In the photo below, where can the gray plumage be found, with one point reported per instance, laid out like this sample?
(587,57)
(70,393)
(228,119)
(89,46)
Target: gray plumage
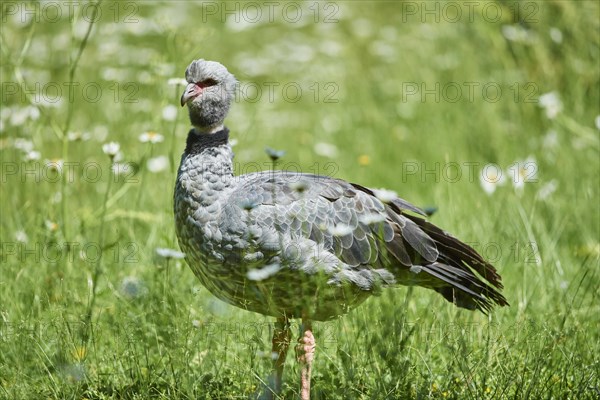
(218,88)
(296,245)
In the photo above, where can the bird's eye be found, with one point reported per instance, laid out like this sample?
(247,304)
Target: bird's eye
(207,83)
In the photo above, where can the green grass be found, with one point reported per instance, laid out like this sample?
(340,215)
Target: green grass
(155,333)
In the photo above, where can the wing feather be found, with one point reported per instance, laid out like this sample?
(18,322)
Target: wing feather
(373,253)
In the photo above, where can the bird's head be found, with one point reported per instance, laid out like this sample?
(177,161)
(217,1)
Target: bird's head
(208,95)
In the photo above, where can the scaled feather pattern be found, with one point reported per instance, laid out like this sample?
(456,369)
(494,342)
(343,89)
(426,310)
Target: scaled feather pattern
(295,245)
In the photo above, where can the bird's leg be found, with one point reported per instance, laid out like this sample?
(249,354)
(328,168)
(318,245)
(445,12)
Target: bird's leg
(281,343)
(305,352)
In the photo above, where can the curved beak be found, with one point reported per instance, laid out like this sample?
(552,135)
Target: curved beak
(191,91)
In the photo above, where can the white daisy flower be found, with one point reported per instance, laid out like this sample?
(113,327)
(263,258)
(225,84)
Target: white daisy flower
(547,190)
(551,103)
(119,168)
(556,35)
(55,164)
(415,269)
(111,149)
(326,149)
(118,157)
(385,195)
(151,137)
(523,171)
(273,154)
(21,236)
(24,145)
(177,82)
(340,230)
(51,225)
(169,253)
(371,218)
(83,136)
(263,273)
(300,186)
(248,204)
(33,155)
(20,115)
(516,33)
(169,113)
(491,177)
(157,164)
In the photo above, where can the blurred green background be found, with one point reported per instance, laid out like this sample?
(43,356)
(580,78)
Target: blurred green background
(416,97)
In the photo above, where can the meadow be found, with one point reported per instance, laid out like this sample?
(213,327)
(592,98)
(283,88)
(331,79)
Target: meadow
(487,111)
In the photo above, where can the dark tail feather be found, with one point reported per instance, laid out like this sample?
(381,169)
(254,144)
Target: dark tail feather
(473,283)
(462,276)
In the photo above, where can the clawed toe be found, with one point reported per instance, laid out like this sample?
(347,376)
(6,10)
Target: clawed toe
(305,349)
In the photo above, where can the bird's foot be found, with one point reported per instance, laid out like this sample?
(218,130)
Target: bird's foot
(305,350)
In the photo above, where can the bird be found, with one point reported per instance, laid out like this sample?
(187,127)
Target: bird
(294,245)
